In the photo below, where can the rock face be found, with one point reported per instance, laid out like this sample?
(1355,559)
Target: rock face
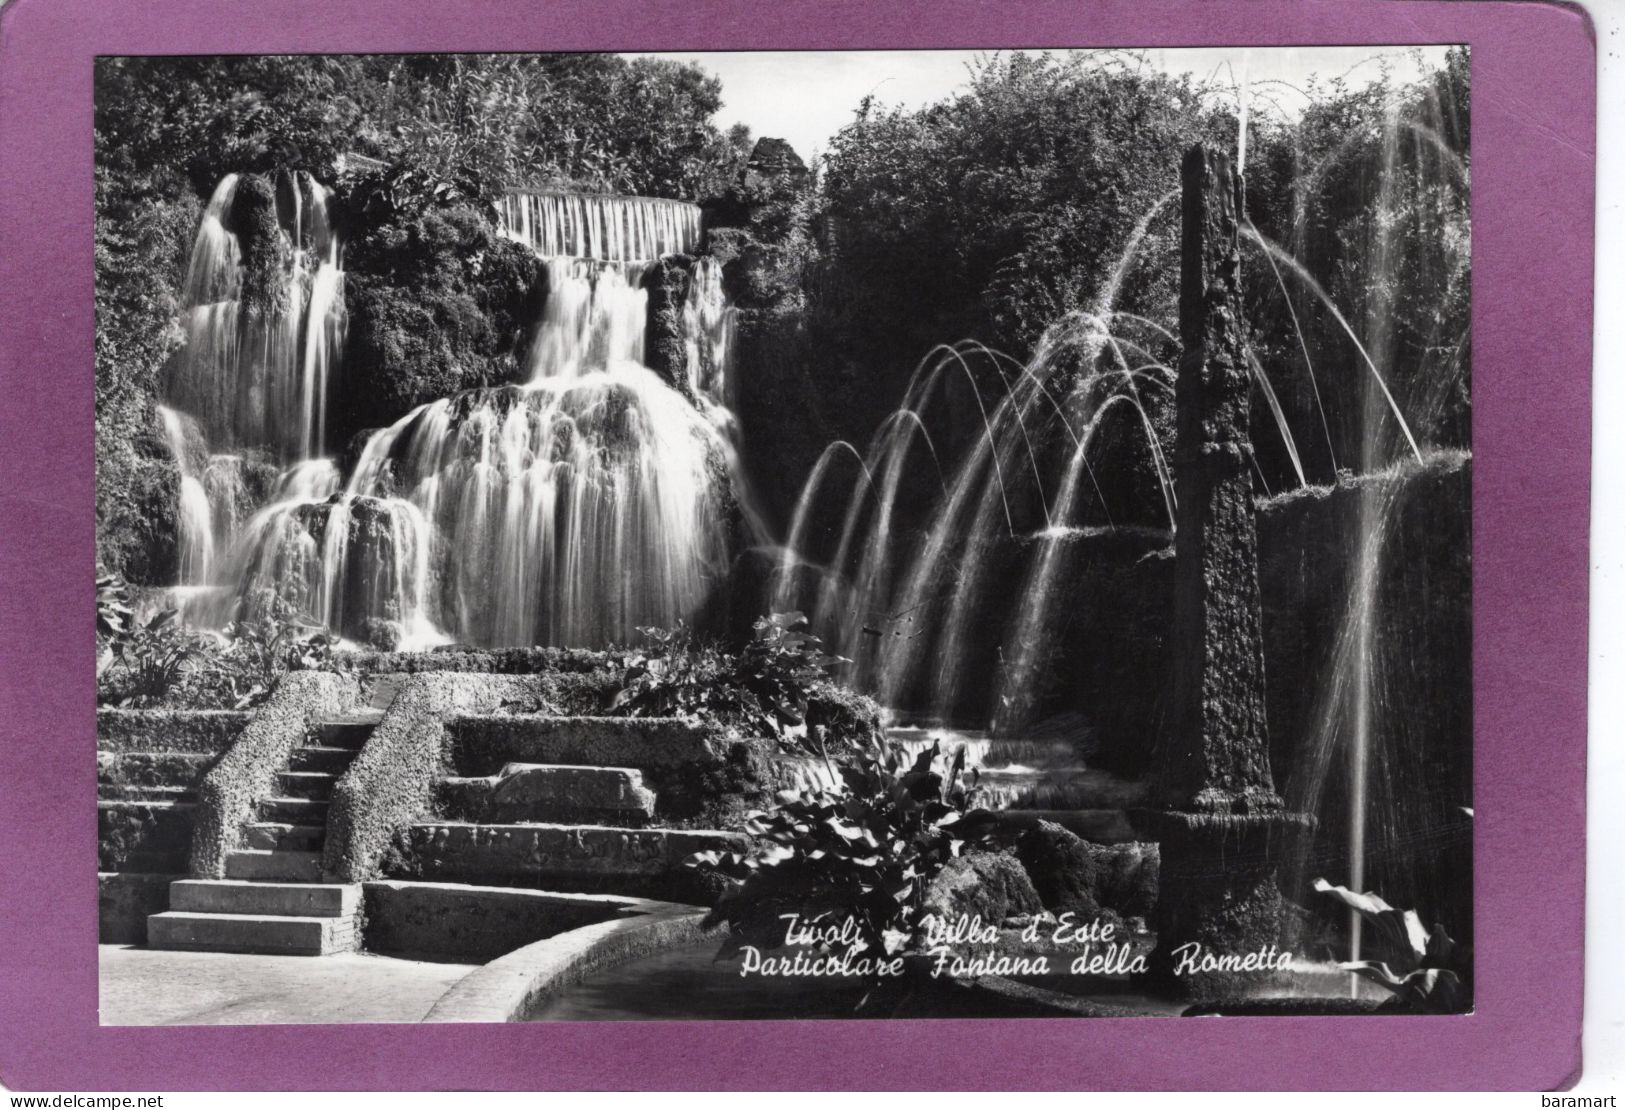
(137,530)
(1127,877)
(1062,869)
(665,339)
(377,580)
(1074,875)
(1223,827)
(776,158)
(265,251)
(773,171)
(990,885)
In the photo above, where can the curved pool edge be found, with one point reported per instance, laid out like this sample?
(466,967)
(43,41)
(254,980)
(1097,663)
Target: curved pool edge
(511,987)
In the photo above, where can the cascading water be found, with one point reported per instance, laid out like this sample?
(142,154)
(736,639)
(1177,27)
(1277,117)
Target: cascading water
(906,617)
(709,322)
(1359,741)
(608,228)
(583,506)
(194,517)
(263,317)
(570,509)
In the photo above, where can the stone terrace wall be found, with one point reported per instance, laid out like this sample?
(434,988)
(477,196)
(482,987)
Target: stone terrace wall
(700,775)
(392,781)
(148,764)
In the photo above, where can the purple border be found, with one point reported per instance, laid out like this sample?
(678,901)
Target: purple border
(1534,117)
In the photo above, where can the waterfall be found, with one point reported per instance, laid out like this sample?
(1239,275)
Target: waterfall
(590,500)
(263,317)
(194,518)
(570,509)
(708,321)
(606,227)
(594,317)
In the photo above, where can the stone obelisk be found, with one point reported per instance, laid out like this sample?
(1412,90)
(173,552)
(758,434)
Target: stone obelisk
(1221,825)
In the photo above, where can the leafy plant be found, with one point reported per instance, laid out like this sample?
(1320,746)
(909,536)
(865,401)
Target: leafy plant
(865,851)
(113,610)
(1425,970)
(400,192)
(113,615)
(152,659)
(261,650)
(764,687)
(162,662)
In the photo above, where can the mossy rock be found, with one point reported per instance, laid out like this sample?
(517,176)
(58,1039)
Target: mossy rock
(266,252)
(437,305)
(849,719)
(989,885)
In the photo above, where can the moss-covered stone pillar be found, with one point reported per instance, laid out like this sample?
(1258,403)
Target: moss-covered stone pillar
(1222,826)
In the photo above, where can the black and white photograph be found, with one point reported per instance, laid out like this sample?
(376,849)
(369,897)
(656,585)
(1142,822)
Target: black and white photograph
(784,535)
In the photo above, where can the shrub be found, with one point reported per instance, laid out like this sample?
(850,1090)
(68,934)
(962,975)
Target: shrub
(765,687)
(113,611)
(438,302)
(161,662)
(864,852)
(150,661)
(261,650)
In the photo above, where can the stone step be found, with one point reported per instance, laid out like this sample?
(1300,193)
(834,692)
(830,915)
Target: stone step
(315,785)
(553,793)
(152,768)
(253,863)
(230,896)
(203,731)
(382,689)
(283,837)
(259,933)
(523,854)
(144,835)
(350,731)
(136,792)
(293,811)
(315,757)
(484,745)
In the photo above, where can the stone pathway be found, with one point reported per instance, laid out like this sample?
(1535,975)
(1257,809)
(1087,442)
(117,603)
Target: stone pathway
(150,987)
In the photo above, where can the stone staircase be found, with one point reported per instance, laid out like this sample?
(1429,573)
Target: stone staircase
(272,899)
(564,804)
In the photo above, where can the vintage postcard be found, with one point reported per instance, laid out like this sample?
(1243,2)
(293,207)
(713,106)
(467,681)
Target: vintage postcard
(1002,529)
